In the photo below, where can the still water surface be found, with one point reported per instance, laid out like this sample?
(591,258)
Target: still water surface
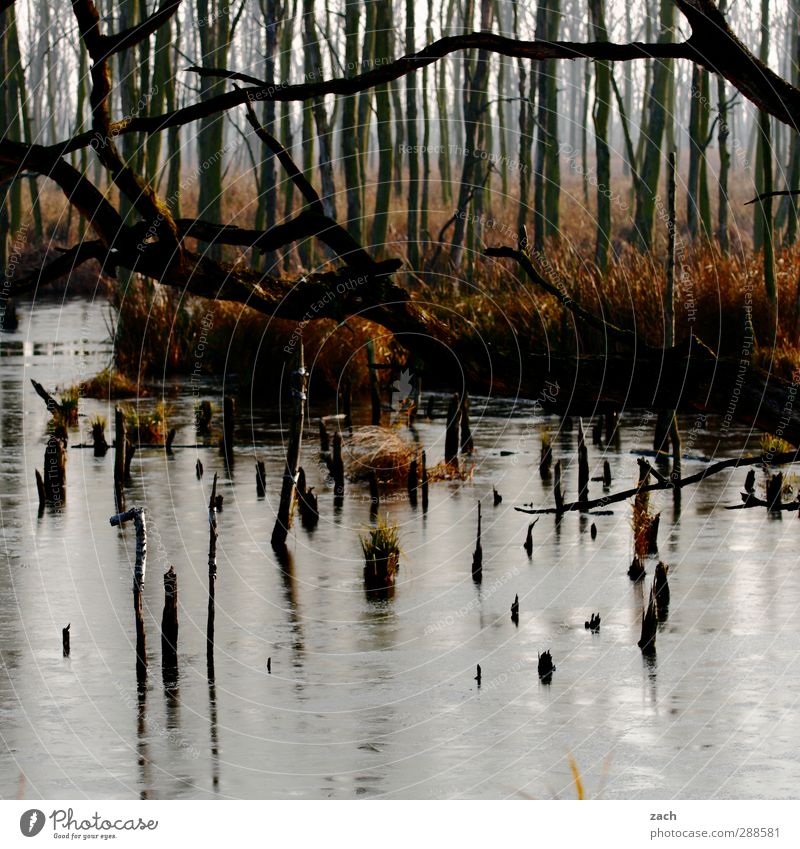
(377,699)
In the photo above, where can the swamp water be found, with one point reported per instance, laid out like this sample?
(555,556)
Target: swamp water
(377,699)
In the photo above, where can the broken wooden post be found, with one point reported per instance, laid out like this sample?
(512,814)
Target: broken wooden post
(546,667)
(750,482)
(337,466)
(636,570)
(661,589)
(606,473)
(647,641)
(203,417)
(558,493)
(65,640)
(374,383)
(496,497)
(261,479)
(412,483)
(198,468)
(136,514)
(467,445)
(593,531)
(774,491)
(324,441)
(228,422)
(40,490)
(55,462)
(583,468)
(120,439)
(451,432)
(528,544)
(593,624)
(298,388)
(169,623)
(170,440)
(675,439)
(306,501)
(424,487)
(477,557)
(99,437)
(212,573)
(515,610)
(478,676)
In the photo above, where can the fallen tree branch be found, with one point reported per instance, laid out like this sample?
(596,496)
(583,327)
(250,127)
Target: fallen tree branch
(713,469)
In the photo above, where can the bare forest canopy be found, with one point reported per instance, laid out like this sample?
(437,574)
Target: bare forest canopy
(322,113)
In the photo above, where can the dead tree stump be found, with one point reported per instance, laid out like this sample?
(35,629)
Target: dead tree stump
(284,518)
(775,491)
(412,483)
(451,432)
(99,439)
(169,622)
(55,471)
(65,640)
(261,479)
(661,588)
(324,441)
(647,642)
(170,440)
(120,441)
(583,468)
(467,444)
(477,557)
(515,610)
(558,492)
(546,667)
(337,467)
(136,514)
(306,501)
(203,418)
(545,461)
(528,544)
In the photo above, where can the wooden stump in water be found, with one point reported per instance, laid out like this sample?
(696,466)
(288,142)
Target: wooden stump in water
(774,491)
(198,468)
(451,432)
(647,642)
(593,624)
(55,471)
(583,468)
(261,479)
(336,466)
(120,441)
(606,473)
(558,493)
(636,570)
(99,439)
(546,667)
(477,557)
(284,517)
(515,610)
(597,432)
(306,501)
(40,490)
(661,589)
(651,534)
(203,418)
(528,544)
(424,487)
(412,483)
(374,383)
(429,407)
(169,441)
(593,531)
(136,515)
(228,423)
(169,622)
(65,641)
(467,444)
(324,441)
